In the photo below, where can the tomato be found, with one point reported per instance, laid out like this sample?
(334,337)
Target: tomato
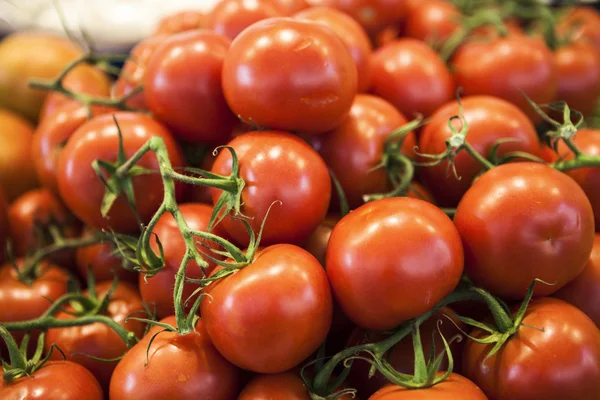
(526,367)
(351,33)
(378,279)
(454,387)
(418,191)
(290,7)
(501,66)
(230,17)
(271,315)
(316,244)
(582,24)
(354,149)
(578,66)
(132,73)
(17,174)
(523,221)
(103,263)
(179,367)
(64,380)
(583,292)
(29,55)
(588,141)
(157,291)
(196,113)
(4,227)
(411,76)
(278,386)
(489,119)
(303,71)
(181,21)
(432,20)
(98,139)
(98,340)
(277,166)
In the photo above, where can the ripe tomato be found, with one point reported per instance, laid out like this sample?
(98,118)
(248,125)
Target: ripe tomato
(316,244)
(523,221)
(187,20)
(489,119)
(432,20)
(501,66)
(526,366)
(196,113)
(578,67)
(303,71)
(179,367)
(418,191)
(269,316)
(98,340)
(379,280)
(157,291)
(132,73)
(290,7)
(582,24)
(351,33)
(17,174)
(103,263)
(230,17)
(356,147)
(98,139)
(411,76)
(277,166)
(588,141)
(454,387)
(583,291)
(286,386)
(63,380)
(4,227)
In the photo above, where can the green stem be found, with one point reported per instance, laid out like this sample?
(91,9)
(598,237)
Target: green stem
(572,147)
(17,359)
(582,161)
(478,157)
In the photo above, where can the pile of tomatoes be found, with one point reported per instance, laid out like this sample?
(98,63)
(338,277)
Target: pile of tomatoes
(380,200)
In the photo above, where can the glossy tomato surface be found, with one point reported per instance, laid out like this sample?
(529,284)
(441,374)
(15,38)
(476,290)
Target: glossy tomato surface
(230,17)
(432,21)
(582,24)
(285,385)
(378,279)
(181,21)
(523,221)
(103,262)
(303,71)
(454,387)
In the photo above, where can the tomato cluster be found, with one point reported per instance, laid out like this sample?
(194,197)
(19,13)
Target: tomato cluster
(284,199)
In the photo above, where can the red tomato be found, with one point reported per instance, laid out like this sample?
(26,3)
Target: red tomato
(4,227)
(17,174)
(157,291)
(523,221)
(588,141)
(454,387)
(98,340)
(98,139)
(584,291)
(64,380)
(582,24)
(275,386)
(132,74)
(179,367)
(379,280)
(411,76)
(489,119)
(501,66)
(526,366)
(418,191)
(269,316)
(230,17)
(356,147)
(578,66)
(432,20)
(277,166)
(303,71)
(103,263)
(290,7)
(351,33)
(187,20)
(197,113)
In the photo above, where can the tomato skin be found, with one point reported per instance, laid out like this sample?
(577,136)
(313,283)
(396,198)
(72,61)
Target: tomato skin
(302,67)
(432,20)
(351,33)
(489,119)
(588,141)
(277,166)
(196,113)
(64,380)
(230,17)
(501,66)
(418,191)
(186,20)
(17,174)
(285,385)
(583,24)
(98,139)
(526,367)
(179,367)
(374,276)
(269,316)
(157,291)
(454,387)
(410,75)
(103,263)
(4,226)
(290,7)
(524,214)
(355,148)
